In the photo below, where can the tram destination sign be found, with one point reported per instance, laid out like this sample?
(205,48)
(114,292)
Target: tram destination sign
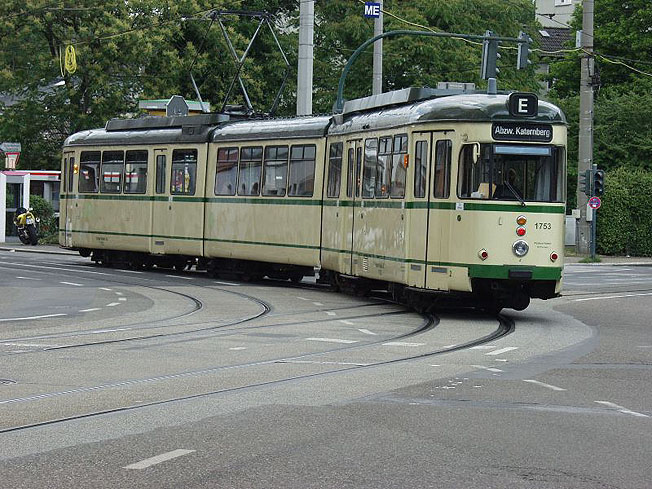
(521,131)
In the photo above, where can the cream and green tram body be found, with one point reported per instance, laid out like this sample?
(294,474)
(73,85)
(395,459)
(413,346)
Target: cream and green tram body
(426,193)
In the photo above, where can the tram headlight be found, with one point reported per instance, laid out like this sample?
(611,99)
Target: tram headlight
(520,248)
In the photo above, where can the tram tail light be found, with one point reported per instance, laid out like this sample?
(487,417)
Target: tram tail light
(554,256)
(483,254)
(521,220)
(520,231)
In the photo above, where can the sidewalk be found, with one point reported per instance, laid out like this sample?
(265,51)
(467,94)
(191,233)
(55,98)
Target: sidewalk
(49,249)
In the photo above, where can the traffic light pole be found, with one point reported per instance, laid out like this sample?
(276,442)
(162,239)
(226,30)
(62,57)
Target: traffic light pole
(594,220)
(585,153)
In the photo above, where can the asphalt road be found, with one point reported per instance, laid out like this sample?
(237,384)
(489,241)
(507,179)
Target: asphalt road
(112,378)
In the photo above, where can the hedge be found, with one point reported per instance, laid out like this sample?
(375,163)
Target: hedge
(625,218)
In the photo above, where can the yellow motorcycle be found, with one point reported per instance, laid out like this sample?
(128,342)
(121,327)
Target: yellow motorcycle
(26,224)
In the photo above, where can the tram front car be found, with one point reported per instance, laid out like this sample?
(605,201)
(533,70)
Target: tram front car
(511,188)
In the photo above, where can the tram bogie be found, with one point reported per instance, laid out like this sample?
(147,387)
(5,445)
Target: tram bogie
(442,194)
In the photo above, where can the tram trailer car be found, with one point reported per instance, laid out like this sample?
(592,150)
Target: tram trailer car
(419,191)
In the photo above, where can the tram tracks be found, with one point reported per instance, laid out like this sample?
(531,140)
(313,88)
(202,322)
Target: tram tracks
(505,327)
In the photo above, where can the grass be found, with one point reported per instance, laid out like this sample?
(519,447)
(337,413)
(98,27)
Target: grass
(588,259)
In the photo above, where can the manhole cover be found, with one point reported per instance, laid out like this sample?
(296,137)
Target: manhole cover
(7,381)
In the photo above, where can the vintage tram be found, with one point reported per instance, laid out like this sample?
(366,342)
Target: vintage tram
(418,191)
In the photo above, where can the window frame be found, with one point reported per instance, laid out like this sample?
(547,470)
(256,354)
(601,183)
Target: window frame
(161,172)
(94,162)
(112,162)
(447,145)
(370,168)
(193,174)
(228,151)
(138,162)
(398,161)
(421,179)
(334,182)
(267,159)
(294,162)
(249,161)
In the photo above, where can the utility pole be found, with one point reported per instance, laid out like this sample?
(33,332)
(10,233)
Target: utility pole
(305,66)
(377,84)
(585,153)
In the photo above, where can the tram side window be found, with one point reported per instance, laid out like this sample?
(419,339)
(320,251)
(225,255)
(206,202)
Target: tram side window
(420,169)
(251,160)
(184,172)
(350,173)
(399,169)
(474,175)
(301,180)
(443,157)
(161,163)
(71,172)
(384,168)
(89,172)
(226,174)
(275,171)
(369,169)
(113,164)
(136,172)
(334,170)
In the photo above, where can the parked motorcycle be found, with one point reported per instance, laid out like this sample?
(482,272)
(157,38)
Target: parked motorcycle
(26,223)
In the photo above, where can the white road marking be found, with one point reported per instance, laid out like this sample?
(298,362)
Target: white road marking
(29,278)
(113,304)
(483,347)
(490,369)
(331,340)
(119,293)
(122,298)
(622,296)
(435,365)
(366,331)
(402,343)
(450,346)
(99,331)
(622,409)
(33,317)
(348,323)
(331,313)
(180,276)
(318,303)
(72,283)
(302,299)
(164,457)
(29,345)
(104,288)
(91,309)
(238,348)
(127,271)
(542,384)
(502,350)
(41,267)
(224,283)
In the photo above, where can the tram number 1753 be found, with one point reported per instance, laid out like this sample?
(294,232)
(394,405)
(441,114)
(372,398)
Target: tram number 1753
(542,225)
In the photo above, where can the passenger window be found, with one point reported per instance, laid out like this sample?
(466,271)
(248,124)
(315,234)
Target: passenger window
(369,170)
(64,176)
(275,171)
(358,170)
(161,163)
(89,172)
(226,174)
(71,173)
(249,177)
(335,170)
(443,156)
(420,169)
(384,168)
(112,168)
(301,180)
(136,172)
(399,166)
(184,172)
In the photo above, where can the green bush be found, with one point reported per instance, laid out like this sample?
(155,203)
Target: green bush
(49,227)
(624,220)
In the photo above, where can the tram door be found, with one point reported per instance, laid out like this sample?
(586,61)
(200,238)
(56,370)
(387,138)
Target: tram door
(162,203)
(66,212)
(353,178)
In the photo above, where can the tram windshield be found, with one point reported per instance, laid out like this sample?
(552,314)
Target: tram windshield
(512,172)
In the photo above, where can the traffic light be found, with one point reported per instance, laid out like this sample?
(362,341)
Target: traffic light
(586,180)
(524,51)
(490,56)
(598,183)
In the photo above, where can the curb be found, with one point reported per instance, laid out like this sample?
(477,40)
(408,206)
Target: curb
(612,264)
(37,250)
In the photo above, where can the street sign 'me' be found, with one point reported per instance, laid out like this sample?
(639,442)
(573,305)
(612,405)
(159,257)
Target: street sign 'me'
(372,10)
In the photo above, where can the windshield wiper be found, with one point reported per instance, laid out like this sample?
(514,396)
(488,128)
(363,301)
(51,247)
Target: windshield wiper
(513,190)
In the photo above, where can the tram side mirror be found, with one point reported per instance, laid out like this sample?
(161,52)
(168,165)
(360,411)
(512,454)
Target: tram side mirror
(476,152)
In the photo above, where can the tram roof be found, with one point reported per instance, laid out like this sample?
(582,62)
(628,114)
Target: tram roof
(290,128)
(475,107)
